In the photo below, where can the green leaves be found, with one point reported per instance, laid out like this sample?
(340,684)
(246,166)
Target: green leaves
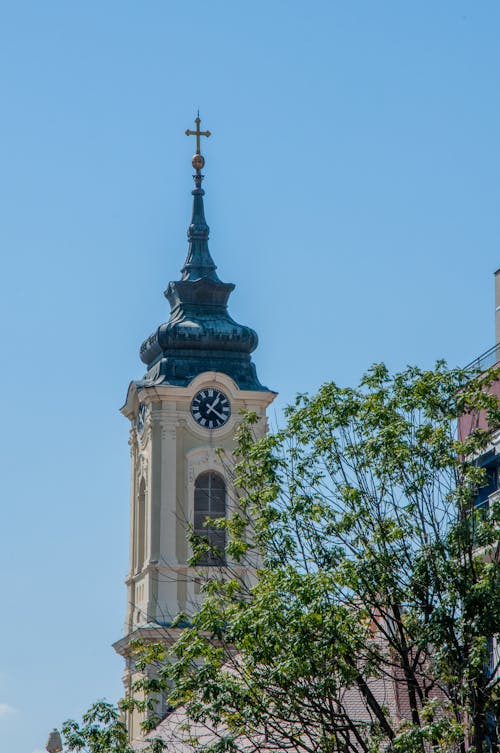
(101,731)
(368,625)
(361,508)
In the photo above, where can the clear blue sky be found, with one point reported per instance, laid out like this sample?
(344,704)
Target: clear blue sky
(353,194)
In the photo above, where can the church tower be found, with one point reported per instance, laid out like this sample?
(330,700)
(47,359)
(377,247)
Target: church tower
(183,415)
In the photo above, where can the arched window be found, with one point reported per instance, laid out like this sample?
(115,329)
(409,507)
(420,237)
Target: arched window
(141,526)
(210,502)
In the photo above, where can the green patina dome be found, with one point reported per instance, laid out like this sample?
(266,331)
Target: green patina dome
(200,334)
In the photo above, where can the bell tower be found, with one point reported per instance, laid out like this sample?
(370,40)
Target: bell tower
(183,415)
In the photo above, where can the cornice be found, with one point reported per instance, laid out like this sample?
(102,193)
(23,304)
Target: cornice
(176,393)
(150,633)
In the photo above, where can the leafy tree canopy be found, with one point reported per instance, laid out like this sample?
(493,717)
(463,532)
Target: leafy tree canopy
(369,626)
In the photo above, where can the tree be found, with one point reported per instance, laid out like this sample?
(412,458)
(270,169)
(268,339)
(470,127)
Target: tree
(102,730)
(378,575)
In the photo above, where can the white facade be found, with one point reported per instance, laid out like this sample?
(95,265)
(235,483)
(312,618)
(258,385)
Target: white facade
(168,452)
(167,455)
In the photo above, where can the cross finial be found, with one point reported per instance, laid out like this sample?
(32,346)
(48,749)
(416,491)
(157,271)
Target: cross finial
(197,133)
(198,161)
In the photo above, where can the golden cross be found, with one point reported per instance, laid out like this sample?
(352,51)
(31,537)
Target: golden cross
(197,133)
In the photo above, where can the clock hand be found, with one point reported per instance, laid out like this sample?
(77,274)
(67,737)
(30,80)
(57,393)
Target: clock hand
(211,409)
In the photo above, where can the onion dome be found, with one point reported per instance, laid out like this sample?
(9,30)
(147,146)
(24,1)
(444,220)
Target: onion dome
(200,334)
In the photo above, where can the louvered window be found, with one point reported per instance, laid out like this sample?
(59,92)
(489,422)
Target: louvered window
(210,503)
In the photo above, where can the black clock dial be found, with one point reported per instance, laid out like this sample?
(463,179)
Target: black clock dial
(210,408)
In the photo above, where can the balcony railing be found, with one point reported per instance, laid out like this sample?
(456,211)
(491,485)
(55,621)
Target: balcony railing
(486,360)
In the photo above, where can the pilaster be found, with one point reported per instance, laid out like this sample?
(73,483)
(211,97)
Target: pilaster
(168,519)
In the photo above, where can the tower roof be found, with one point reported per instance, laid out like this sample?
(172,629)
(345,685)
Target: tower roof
(200,334)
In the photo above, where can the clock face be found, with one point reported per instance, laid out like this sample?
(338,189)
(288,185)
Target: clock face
(210,408)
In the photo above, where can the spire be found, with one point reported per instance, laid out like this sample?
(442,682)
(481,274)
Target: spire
(200,334)
(199,262)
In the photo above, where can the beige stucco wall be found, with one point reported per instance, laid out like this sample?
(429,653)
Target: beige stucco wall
(166,457)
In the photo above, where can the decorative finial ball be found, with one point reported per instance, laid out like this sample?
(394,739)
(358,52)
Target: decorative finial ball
(54,743)
(198,162)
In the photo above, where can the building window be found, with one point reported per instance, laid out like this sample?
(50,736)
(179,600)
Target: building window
(489,462)
(210,503)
